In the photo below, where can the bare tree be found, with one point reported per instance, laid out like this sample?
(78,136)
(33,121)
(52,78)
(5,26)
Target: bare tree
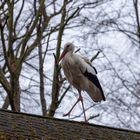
(116,34)
(15,43)
(26,25)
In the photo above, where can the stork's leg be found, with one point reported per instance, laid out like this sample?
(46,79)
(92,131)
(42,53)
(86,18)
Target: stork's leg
(81,99)
(68,114)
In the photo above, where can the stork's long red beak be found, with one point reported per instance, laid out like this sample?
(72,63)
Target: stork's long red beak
(62,55)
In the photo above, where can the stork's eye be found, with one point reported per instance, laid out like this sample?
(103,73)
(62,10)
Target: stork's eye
(68,46)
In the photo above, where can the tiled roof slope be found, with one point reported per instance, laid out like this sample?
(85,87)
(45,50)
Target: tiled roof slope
(23,126)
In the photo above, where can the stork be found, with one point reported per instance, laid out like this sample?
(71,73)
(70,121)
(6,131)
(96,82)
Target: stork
(82,75)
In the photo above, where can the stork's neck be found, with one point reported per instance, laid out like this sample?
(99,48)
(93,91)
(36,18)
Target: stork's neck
(69,54)
(68,59)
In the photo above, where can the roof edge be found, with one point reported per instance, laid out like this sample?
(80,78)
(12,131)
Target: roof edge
(70,121)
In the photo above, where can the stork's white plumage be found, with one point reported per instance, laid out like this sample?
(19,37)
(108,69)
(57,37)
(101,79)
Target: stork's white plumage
(81,74)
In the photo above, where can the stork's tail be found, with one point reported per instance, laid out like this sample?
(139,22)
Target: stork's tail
(95,93)
(94,90)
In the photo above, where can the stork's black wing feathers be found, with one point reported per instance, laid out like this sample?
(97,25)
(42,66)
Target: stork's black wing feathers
(94,69)
(93,78)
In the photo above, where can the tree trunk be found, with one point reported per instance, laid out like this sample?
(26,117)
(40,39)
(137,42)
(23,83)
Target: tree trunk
(14,81)
(55,86)
(41,76)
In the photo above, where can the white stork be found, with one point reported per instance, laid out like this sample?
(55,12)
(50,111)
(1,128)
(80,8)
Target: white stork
(81,74)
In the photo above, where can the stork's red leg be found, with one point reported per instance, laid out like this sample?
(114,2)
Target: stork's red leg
(68,114)
(81,99)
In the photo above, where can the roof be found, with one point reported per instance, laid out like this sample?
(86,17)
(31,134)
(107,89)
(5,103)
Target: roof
(33,127)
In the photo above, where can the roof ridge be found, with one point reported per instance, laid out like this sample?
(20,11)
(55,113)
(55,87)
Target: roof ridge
(70,121)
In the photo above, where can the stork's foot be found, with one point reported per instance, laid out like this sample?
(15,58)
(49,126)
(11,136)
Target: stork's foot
(86,121)
(67,114)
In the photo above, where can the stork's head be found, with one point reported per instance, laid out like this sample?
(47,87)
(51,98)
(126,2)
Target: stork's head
(68,47)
